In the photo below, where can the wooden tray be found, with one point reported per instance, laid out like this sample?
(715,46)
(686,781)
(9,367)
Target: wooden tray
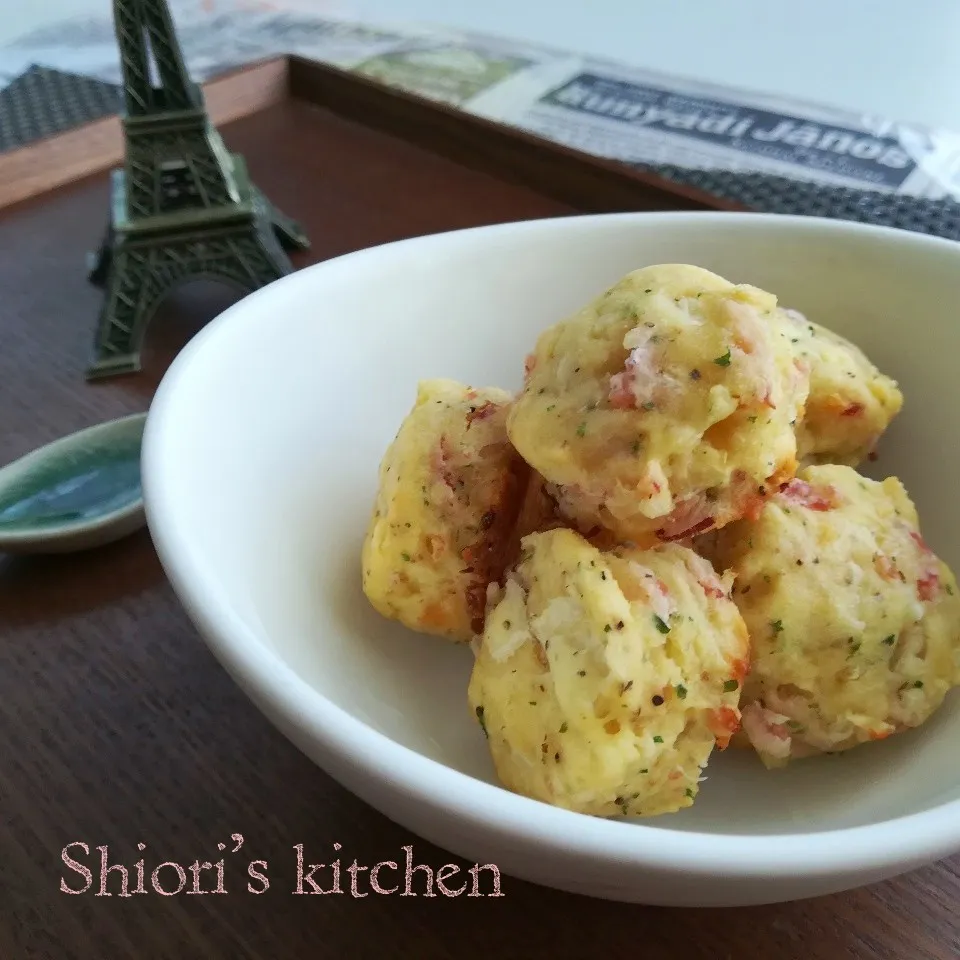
(120,728)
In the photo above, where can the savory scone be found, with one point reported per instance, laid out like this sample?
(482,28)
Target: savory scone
(604,680)
(665,407)
(450,490)
(854,623)
(851,403)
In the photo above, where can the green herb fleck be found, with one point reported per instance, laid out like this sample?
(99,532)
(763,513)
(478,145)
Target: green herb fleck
(406,556)
(563,727)
(660,625)
(607,628)
(723,361)
(681,691)
(689,793)
(581,673)
(658,739)
(777,626)
(730,685)
(483,723)
(636,447)
(918,684)
(649,405)
(890,641)
(582,429)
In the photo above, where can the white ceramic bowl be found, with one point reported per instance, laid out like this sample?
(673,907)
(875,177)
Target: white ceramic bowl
(260,463)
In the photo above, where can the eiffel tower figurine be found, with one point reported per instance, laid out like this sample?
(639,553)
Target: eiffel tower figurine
(182,206)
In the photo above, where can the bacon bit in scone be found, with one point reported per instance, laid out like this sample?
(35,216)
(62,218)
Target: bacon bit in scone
(669,534)
(885,567)
(928,585)
(435,546)
(723,723)
(738,670)
(747,497)
(440,463)
(529,363)
(765,395)
(620,396)
(853,410)
(652,482)
(642,382)
(805,495)
(646,586)
(920,542)
(766,730)
(690,516)
(487,409)
(476,597)
(712,589)
(541,655)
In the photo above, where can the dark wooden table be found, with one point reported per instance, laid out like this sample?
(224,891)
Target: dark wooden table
(120,729)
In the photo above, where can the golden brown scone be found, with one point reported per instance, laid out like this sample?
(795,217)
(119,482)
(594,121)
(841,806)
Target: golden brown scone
(665,407)
(604,680)
(851,403)
(450,490)
(854,622)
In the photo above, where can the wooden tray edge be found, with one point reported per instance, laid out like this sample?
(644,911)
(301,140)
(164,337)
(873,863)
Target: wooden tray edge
(590,183)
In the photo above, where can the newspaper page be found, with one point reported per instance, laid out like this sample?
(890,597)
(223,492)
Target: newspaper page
(602,107)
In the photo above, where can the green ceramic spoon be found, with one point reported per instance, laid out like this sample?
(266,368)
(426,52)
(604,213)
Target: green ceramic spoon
(79,492)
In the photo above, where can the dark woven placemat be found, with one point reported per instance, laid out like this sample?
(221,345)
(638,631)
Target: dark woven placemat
(770,194)
(42,102)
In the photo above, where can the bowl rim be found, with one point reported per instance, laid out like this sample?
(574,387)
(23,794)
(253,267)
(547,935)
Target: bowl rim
(885,845)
